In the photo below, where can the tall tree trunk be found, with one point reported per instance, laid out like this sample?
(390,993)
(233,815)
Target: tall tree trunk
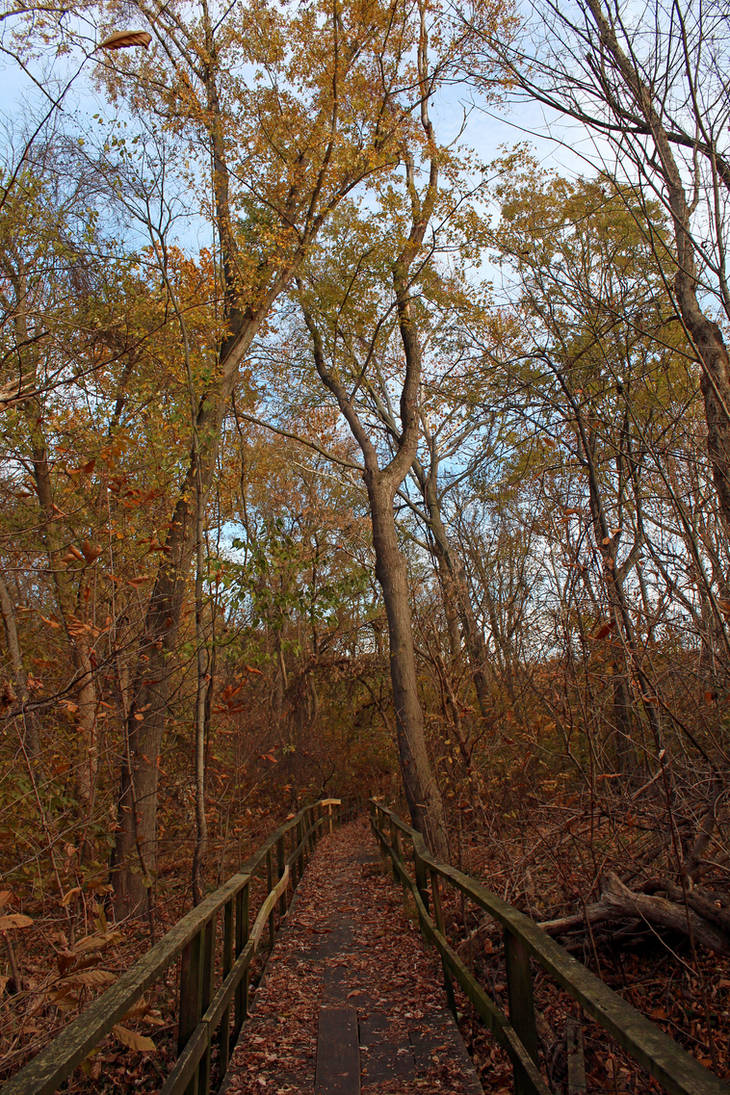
(202,708)
(134,858)
(455,586)
(448,597)
(422,793)
(30,734)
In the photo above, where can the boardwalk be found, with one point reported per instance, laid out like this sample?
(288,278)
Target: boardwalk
(350,990)
(351,1001)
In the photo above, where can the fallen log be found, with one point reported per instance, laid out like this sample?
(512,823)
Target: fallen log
(618,902)
(711,906)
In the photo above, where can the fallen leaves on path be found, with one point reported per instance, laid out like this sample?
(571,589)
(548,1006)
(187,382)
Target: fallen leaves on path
(348,942)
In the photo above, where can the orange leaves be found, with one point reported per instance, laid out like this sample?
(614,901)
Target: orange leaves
(87,554)
(227,704)
(78,628)
(155,545)
(83,469)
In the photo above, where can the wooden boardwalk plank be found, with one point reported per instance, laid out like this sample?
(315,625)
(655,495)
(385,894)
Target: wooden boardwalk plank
(338,1053)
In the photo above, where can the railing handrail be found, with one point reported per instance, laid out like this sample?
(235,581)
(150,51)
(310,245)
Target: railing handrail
(657,1052)
(49,1068)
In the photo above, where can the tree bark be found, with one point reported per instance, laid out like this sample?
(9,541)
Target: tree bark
(134,857)
(30,735)
(454,584)
(419,783)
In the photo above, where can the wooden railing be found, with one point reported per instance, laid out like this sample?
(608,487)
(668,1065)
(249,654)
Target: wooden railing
(677,1071)
(207,1016)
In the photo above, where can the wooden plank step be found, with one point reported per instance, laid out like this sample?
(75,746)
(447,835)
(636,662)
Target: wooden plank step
(576,1063)
(338,1052)
(385,1056)
(439,1036)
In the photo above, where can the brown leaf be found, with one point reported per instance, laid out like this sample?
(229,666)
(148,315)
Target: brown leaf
(122,39)
(92,978)
(96,942)
(132,1040)
(605,629)
(14,920)
(91,551)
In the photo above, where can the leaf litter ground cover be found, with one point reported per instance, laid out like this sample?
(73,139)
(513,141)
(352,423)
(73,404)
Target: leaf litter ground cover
(348,942)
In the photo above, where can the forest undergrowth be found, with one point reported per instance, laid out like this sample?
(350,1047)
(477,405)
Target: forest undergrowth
(551,859)
(547,853)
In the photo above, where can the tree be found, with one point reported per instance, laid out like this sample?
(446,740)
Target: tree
(409,216)
(652,88)
(382,482)
(285,148)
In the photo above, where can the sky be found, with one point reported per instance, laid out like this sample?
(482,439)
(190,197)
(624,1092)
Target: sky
(556,144)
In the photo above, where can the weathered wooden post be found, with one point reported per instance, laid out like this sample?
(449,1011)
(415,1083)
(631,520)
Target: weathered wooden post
(303,845)
(419,868)
(438,915)
(308,835)
(193,979)
(394,843)
(224,1031)
(241,1001)
(280,872)
(521,1005)
(376,821)
(297,867)
(206,993)
(575,1059)
(270,886)
(330,804)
